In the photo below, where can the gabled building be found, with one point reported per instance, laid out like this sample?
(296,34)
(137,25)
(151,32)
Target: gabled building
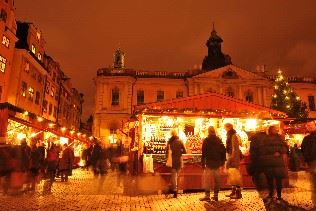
(120,89)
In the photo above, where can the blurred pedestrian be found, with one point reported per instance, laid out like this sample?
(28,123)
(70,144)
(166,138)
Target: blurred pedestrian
(34,164)
(65,163)
(213,157)
(177,149)
(51,167)
(294,158)
(272,161)
(233,161)
(5,165)
(309,153)
(25,161)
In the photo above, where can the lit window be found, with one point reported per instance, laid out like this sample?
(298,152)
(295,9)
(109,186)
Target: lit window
(3,63)
(31,94)
(23,89)
(179,94)
(39,56)
(52,91)
(38,35)
(45,106)
(140,97)
(160,96)
(115,96)
(37,97)
(5,41)
(33,49)
(27,67)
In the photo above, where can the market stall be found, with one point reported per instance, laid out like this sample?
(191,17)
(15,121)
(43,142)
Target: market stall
(192,116)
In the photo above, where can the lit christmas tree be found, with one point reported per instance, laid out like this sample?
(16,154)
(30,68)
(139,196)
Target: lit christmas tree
(286,100)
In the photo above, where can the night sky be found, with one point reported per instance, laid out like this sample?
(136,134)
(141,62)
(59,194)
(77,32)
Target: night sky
(170,35)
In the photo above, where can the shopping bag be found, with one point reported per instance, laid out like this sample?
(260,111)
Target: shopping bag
(234,177)
(169,158)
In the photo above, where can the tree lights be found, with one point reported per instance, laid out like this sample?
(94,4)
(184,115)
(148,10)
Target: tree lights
(285,99)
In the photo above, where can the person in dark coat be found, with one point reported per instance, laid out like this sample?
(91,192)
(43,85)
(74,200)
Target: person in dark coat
(5,165)
(51,167)
(254,168)
(309,153)
(233,161)
(177,147)
(213,157)
(65,163)
(272,163)
(34,164)
(98,159)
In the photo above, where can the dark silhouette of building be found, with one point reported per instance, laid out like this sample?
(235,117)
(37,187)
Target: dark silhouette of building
(215,58)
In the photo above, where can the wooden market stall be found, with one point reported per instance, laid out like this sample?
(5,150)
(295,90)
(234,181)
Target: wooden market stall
(192,116)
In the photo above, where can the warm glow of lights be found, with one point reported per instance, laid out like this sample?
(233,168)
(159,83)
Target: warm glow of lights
(20,136)
(51,125)
(91,137)
(284,91)
(63,140)
(63,129)
(251,124)
(40,119)
(276,87)
(297,98)
(84,135)
(78,134)
(33,135)
(288,106)
(26,113)
(275,96)
(287,98)
(72,132)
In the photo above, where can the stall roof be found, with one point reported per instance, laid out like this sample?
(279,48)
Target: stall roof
(210,103)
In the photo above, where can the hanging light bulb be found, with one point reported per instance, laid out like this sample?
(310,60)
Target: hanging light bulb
(286,97)
(276,87)
(297,98)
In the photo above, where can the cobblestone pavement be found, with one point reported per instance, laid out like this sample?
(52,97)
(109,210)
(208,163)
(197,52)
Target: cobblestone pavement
(82,192)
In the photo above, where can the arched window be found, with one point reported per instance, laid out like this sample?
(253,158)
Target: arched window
(115,96)
(230,74)
(249,96)
(230,92)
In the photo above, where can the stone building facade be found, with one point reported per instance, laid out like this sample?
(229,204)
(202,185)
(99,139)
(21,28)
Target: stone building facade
(119,89)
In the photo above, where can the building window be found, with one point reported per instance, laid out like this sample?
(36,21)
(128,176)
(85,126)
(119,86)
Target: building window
(37,97)
(47,87)
(230,74)
(45,106)
(3,62)
(33,49)
(140,97)
(230,92)
(115,96)
(31,94)
(27,67)
(160,95)
(3,15)
(38,35)
(5,41)
(52,91)
(311,103)
(50,109)
(39,56)
(179,94)
(55,111)
(23,89)
(249,96)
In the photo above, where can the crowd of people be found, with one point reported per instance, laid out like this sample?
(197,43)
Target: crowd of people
(267,165)
(23,166)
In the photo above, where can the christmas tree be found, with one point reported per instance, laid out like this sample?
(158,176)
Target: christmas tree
(286,100)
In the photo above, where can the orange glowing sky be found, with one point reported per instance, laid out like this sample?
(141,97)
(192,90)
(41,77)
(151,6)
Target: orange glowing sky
(170,35)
